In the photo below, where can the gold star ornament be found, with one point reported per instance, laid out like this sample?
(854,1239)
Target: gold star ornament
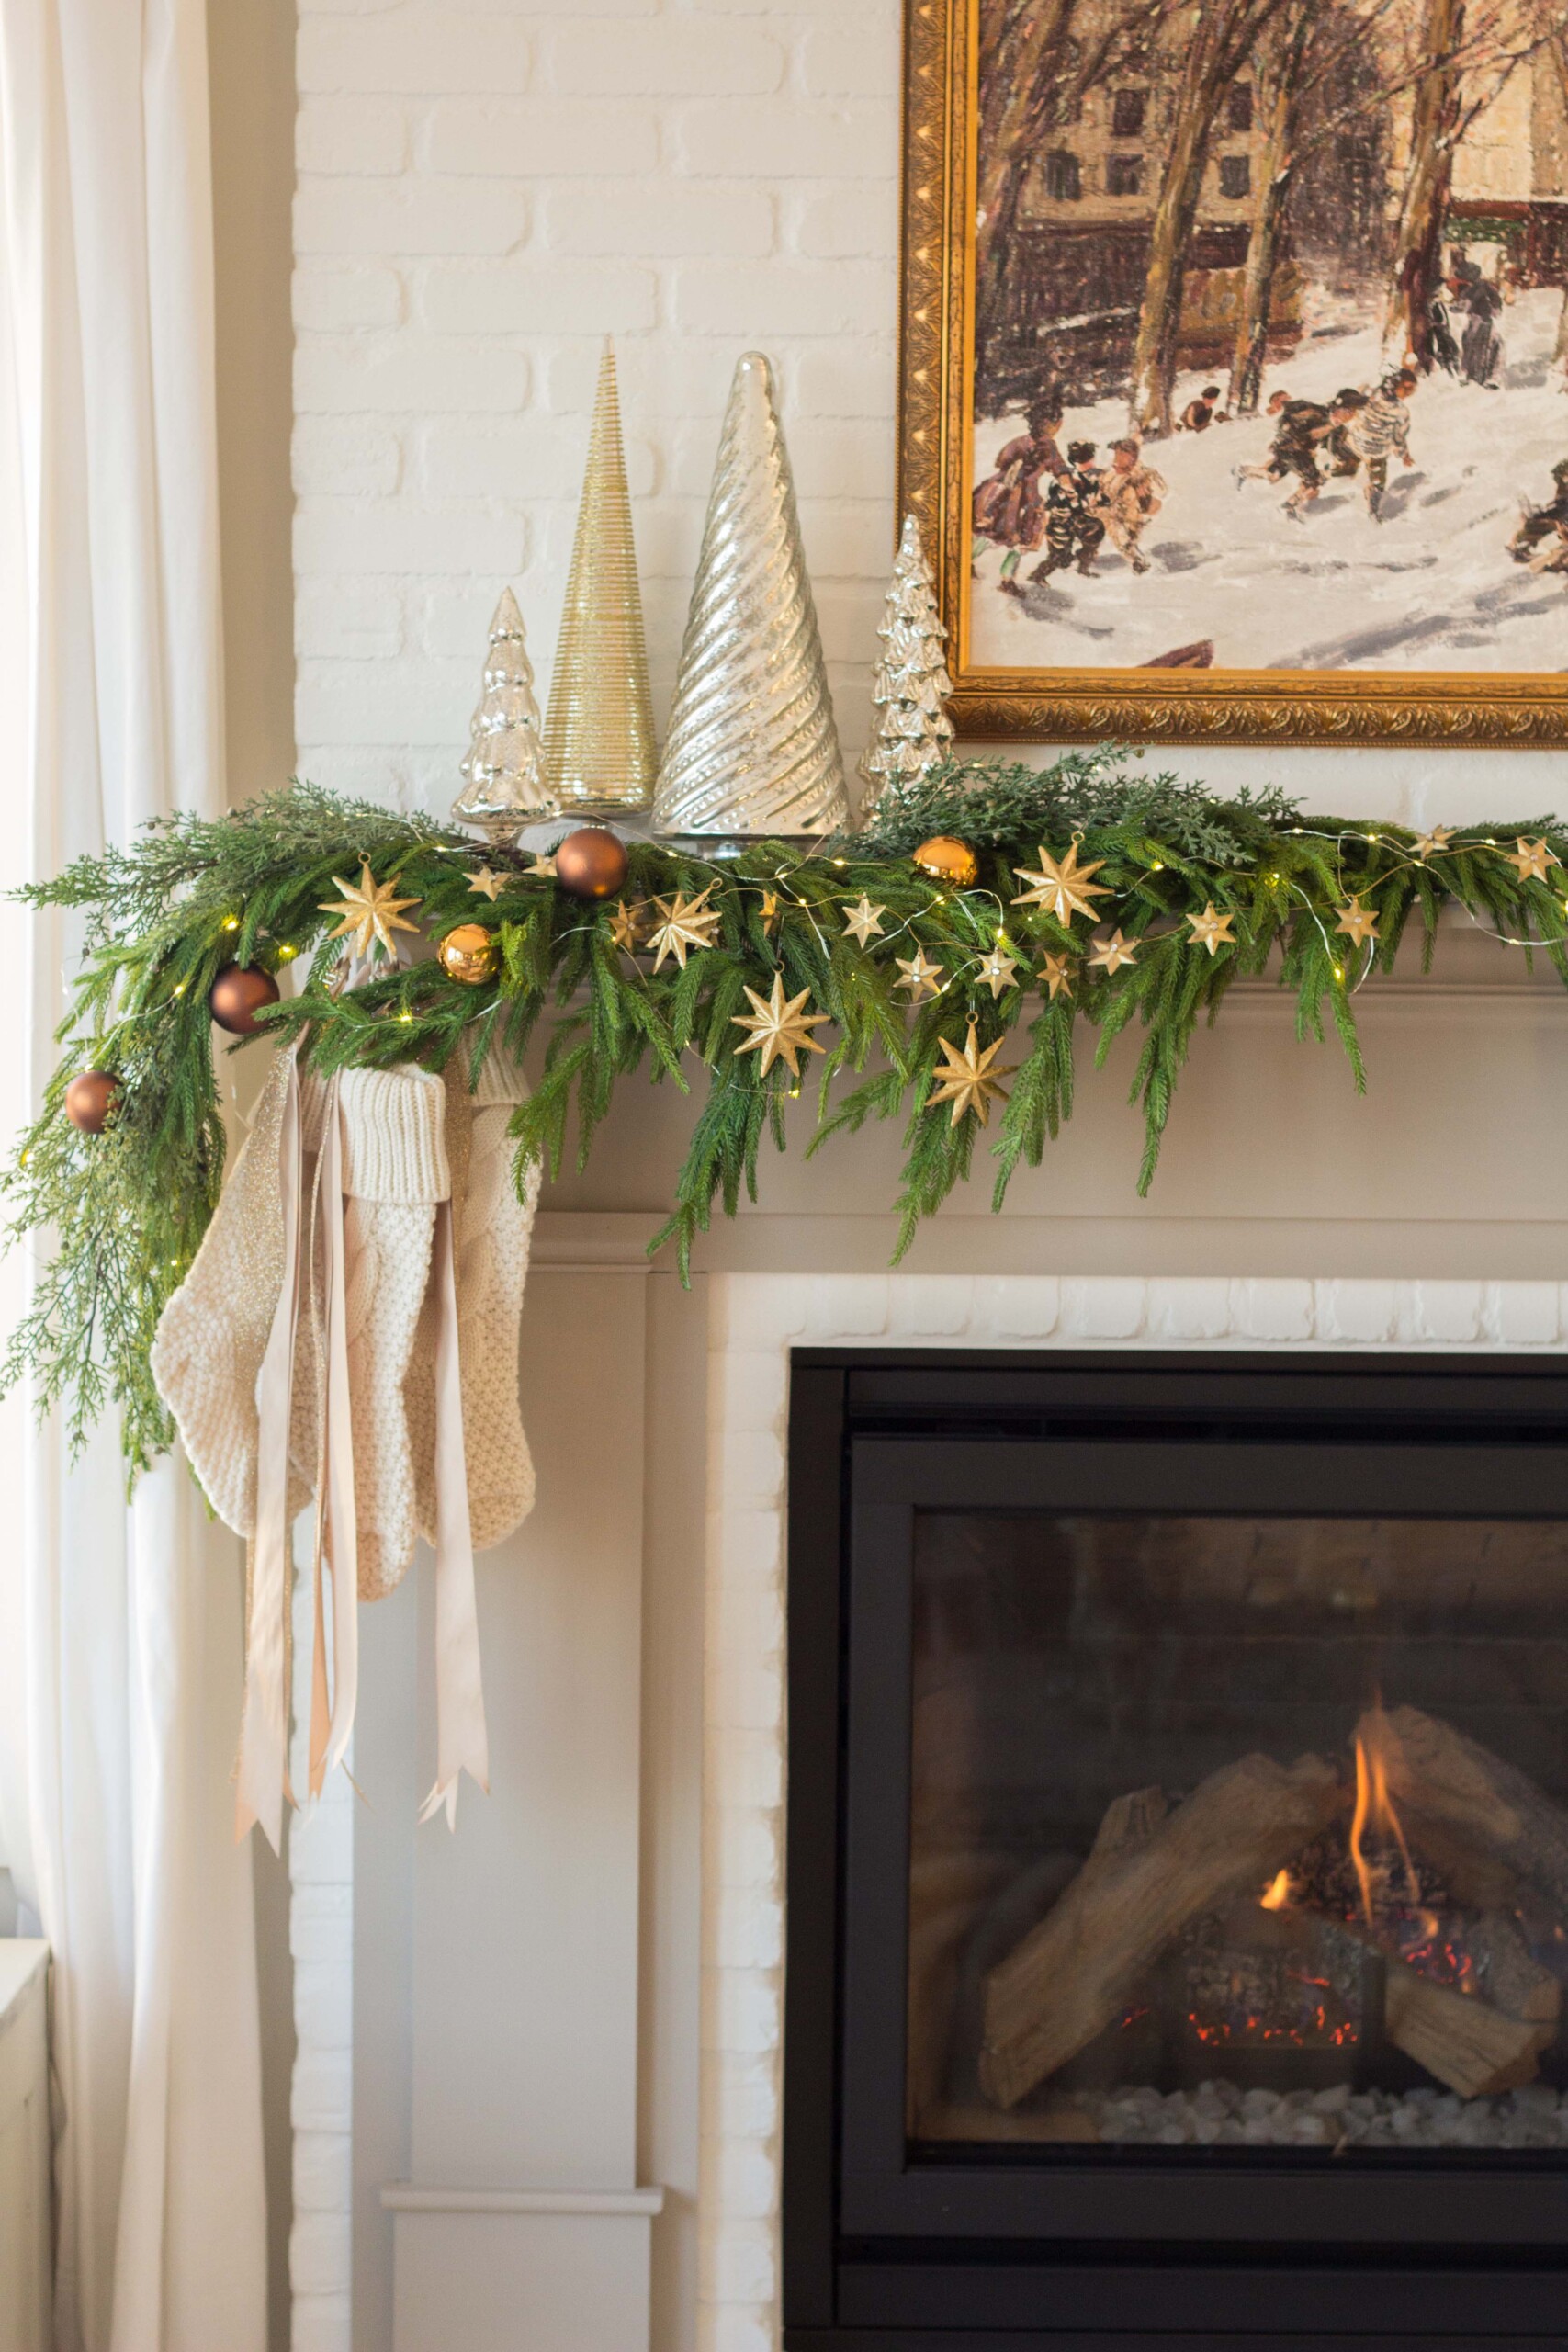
(780,1030)
(769,914)
(1212,930)
(997,970)
(863,921)
(1109,954)
(921,976)
(486,885)
(626,926)
(1433,844)
(1063,888)
(542,867)
(1057,974)
(1530,859)
(1356,921)
(682,923)
(371,912)
(969,1081)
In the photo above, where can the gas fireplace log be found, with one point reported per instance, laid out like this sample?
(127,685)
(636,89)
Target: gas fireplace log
(1438,1774)
(1460,2039)
(1147,1876)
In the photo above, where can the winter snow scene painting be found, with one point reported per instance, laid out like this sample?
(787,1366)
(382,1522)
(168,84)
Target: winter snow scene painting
(1270,325)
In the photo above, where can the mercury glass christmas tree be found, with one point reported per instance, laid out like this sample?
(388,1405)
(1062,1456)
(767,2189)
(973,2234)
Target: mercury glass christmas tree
(503,774)
(911,685)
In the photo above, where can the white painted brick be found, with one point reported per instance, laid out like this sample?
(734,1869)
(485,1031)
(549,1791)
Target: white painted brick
(741,2010)
(320,1846)
(1523,1314)
(338,535)
(341,299)
(323,2171)
(319,2251)
(422,53)
(748,2181)
(1112,1308)
(454,619)
(323,2004)
(930,1307)
(1024,1306)
(851,59)
(852,376)
(351,135)
(846,221)
(746,1766)
(844,538)
(322,2323)
(750,1935)
(536,457)
(748,1389)
(1189,1309)
(846,1306)
(320,1921)
(407,701)
(675,218)
(782,139)
(351,216)
(742,2270)
(748,1469)
(1362,1312)
(741,1846)
(744,1697)
(748,1618)
(539,298)
(757,1311)
(736,2327)
(543,139)
(747,1545)
(818,297)
(672,57)
(1449,1311)
(406,374)
(346,460)
(1273,1310)
(322,2095)
(739,2096)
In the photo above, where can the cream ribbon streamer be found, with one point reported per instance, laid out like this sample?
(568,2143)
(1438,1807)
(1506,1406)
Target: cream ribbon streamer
(461,1740)
(335,1511)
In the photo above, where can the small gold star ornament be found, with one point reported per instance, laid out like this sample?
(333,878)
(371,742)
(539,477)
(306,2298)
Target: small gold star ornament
(1057,974)
(486,884)
(780,1030)
(1431,844)
(371,912)
(921,976)
(626,926)
(1212,930)
(1109,954)
(1530,859)
(683,923)
(997,970)
(968,1081)
(543,868)
(1061,886)
(769,914)
(863,921)
(1356,921)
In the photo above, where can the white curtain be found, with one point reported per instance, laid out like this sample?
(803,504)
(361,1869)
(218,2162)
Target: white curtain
(119,1695)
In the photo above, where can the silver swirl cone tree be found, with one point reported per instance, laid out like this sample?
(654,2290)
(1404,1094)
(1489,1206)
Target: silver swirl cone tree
(752,749)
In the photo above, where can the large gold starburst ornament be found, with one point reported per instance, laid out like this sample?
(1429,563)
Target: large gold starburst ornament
(781,1029)
(969,1081)
(997,970)
(1109,954)
(1356,921)
(1062,887)
(683,923)
(1530,859)
(1212,930)
(920,976)
(1057,974)
(1431,844)
(371,912)
(863,921)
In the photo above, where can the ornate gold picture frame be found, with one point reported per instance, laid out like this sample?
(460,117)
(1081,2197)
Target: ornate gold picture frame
(1369,570)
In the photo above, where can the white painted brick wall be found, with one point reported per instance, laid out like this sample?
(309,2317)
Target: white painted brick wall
(482,194)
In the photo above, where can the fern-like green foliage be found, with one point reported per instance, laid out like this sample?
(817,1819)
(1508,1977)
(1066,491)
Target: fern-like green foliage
(123,1213)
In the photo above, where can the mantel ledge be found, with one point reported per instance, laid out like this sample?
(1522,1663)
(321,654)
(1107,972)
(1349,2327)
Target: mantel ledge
(405,2197)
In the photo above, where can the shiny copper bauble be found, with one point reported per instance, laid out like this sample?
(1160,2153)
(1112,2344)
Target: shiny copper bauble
(469,953)
(591,862)
(90,1097)
(239,993)
(946,860)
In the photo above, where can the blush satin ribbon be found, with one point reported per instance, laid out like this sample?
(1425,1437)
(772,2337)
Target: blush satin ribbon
(461,1740)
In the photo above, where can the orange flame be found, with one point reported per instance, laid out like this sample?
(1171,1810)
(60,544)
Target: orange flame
(1276,1893)
(1375,1807)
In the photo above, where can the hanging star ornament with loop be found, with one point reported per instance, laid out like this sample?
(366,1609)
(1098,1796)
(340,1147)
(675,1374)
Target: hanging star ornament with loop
(921,976)
(863,921)
(1431,844)
(1212,930)
(1057,974)
(682,923)
(769,914)
(371,912)
(968,1081)
(486,885)
(1109,954)
(1356,921)
(1530,859)
(997,970)
(1065,888)
(780,1030)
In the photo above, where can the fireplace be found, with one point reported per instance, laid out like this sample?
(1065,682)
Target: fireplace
(1178,1851)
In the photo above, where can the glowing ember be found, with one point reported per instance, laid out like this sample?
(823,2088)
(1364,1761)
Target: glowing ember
(1276,1893)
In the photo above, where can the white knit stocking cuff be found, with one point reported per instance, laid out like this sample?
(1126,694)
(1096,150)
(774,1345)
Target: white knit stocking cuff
(394,1136)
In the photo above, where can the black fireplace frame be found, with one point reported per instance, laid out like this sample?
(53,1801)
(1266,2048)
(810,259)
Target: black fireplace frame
(880,2256)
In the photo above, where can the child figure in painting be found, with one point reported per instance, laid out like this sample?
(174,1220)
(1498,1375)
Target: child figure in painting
(1130,495)
(1382,429)
(1072,531)
(1008,510)
(1300,426)
(1199,413)
(1542,540)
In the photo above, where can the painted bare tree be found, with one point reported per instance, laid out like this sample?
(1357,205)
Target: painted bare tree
(1280,89)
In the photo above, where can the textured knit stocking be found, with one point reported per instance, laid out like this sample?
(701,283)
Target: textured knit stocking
(395,1171)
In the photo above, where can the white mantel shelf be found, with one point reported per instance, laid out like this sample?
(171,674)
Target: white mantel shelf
(401,2197)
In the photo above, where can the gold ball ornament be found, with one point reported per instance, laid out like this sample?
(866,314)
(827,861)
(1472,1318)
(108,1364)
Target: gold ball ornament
(240,992)
(591,862)
(90,1097)
(469,953)
(947,860)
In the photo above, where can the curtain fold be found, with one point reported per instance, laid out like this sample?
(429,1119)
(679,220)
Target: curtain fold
(114,1800)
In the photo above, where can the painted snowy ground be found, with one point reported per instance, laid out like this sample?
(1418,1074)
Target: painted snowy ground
(1430,587)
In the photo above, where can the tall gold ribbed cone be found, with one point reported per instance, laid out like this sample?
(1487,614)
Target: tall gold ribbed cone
(753,747)
(599,729)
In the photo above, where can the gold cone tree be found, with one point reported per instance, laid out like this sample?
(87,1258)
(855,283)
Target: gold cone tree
(753,747)
(503,774)
(598,750)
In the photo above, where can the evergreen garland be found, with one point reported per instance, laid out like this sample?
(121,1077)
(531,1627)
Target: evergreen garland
(125,1211)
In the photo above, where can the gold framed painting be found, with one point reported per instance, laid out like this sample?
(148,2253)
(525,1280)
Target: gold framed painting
(1232,376)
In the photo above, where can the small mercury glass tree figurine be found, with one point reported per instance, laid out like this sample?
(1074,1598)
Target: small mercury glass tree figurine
(503,774)
(911,685)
